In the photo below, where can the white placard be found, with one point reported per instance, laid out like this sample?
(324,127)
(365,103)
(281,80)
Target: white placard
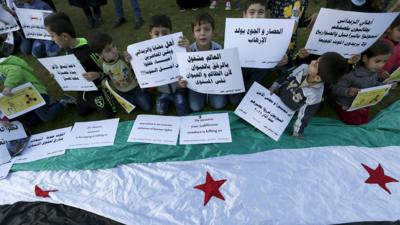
(45,145)
(154,61)
(265,111)
(212,72)
(4,154)
(10,39)
(93,134)
(32,23)
(155,129)
(5,169)
(13,131)
(203,129)
(67,71)
(8,28)
(268,37)
(369,96)
(346,32)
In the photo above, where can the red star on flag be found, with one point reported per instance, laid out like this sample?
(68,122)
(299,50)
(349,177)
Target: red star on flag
(378,177)
(43,193)
(211,188)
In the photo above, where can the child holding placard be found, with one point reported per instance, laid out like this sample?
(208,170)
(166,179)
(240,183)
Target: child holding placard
(175,93)
(122,77)
(62,31)
(392,37)
(364,76)
(203,29)
(302,90)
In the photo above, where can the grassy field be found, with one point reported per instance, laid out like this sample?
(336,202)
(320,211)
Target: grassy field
(126,35)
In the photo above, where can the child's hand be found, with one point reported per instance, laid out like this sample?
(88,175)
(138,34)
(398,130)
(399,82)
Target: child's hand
(283,61)
(7,91)
(384,75)
(5,123)
(181,82)
(91,76)
(184,42)
(355,58)
(352,91)
(272,90)
(303,53)
(127,56)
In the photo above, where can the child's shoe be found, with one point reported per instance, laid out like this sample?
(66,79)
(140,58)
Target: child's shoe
(213,4)
(228,5)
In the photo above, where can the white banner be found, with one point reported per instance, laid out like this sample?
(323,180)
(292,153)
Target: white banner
(346,32)
(203,129)
(8,28)
(212,72)
(265,111)
(154,61)
(32,23)
(15,130)
(155,129)
(269,37)
(67,71)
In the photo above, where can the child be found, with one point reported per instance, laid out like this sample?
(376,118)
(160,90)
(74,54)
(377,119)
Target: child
(160,25)
(302,90)
(203,29)
(14,72)
(122,77)
(38,48)
(392,37)
(364,76)
(63,33)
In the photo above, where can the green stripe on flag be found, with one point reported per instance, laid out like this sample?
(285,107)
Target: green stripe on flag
(383,131)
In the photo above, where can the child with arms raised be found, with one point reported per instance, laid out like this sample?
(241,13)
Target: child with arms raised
(303,89)
(364,76)
(62,32)
(122,77)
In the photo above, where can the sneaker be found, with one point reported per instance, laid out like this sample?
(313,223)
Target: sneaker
(213,4)
(138,23)
(67,101)
(118,22)
(182,9)
(228,6)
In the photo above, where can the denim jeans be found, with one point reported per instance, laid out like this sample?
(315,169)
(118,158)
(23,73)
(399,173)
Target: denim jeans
(39,48)
(44,113)
(120,11)
(138,97)
(197,101)
(178,99)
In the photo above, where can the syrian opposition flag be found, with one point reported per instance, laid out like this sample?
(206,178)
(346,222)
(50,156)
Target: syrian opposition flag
(338,174)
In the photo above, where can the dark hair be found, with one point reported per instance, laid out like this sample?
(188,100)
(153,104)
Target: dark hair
(395,23)
(203,18)
(248,3)
(99,41)
(160,20)
(339,4)
(331,67)
(378,48)
(60,23)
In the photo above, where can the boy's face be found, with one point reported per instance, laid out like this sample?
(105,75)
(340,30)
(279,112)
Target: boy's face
(203,33)
(110,53)
(156,32)
(394,34)
(376,63)
(61,40)
(255,11)
(313,76)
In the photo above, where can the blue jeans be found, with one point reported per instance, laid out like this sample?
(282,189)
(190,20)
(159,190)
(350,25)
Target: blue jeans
(39,48)
(197,101)
(120,11)
(178,99)
(138,97)
(44,113)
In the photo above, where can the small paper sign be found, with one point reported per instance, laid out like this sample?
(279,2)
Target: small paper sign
(369,97)
(394,77)
(25,98)
(123,102)
(15,130)
(32,23)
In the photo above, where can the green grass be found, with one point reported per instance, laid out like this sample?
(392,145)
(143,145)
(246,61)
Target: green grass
(126,35)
